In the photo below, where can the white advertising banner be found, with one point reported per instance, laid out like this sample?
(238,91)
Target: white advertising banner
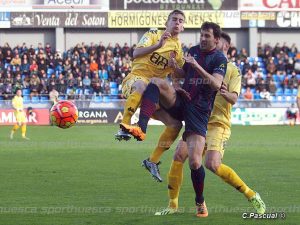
(54,5)
(259,116)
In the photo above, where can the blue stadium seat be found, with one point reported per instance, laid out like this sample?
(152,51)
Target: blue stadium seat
(273,98)
(62,97)
(35,99)
(288,98)
(44,98)
(113,85)
(279,91)
(278,84)
(114,91)
(106,98)
(86,91)
(6,65)
(79,91)
(26,99)
(295,91)
(258,59)
(98,98)
(25,91)
(50,71)
(69,91)
(251,59)
(256,96)
(287,92)
(280,98)
(275,77)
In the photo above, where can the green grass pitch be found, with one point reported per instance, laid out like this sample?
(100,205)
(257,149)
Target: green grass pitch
(82,176)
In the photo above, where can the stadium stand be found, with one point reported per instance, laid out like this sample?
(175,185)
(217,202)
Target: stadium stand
(95,72)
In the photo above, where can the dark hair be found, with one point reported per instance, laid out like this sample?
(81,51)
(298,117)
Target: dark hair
(176,11)
(215,27)
(226,37)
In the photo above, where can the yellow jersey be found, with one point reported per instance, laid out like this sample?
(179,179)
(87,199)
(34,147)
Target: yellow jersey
(298,95)
(17,103)
(221,113)
(155,64)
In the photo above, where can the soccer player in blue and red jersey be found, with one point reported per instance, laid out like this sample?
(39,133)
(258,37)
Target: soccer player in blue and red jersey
(204,70)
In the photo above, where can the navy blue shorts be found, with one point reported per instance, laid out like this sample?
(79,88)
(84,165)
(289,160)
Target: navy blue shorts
(195,118)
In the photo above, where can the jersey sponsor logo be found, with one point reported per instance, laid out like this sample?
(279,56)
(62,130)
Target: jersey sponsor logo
(159,60)
(143,40)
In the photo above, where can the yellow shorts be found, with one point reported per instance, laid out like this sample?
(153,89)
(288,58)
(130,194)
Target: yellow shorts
(216,138)
(20,117)
(129,81)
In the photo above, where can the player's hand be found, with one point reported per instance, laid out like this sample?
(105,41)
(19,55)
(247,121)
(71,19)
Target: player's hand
(172,61)
(190,60)
(223,89)
(183,93)
(164,38)
(20,110)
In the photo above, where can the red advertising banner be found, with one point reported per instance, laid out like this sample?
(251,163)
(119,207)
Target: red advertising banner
(38,117)
(269,5)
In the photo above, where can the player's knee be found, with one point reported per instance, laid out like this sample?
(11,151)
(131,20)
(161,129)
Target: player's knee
(160,83)
(212,165)
(179,157)
(140,87)
(194,164)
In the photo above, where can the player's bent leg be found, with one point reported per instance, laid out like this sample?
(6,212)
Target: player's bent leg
(166,139)
(168,136)
(167,96)
(134,96)
(227,174)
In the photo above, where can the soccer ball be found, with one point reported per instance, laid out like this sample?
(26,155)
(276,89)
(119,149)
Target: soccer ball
(64,114)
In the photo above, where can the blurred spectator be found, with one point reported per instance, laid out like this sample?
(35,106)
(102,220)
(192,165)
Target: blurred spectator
(250,79)
(248,94)
(94,66)
(16,61)
(86,82)
(53,95)
(264,94)
(271,67)
(96,85)
(270,84)
(34,85)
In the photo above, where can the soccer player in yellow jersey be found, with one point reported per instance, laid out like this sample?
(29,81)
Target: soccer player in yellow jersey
(218,134)
(17,104)
(150,59)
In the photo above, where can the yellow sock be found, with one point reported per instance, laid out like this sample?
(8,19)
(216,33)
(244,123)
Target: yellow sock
(229,176)
(24,130)
(15,127)
(132,103)
(175,178)
(166,139)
